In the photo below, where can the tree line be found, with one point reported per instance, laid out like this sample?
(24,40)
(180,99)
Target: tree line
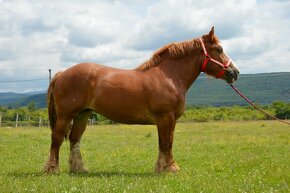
(23,116)
(31,116)
(236,113)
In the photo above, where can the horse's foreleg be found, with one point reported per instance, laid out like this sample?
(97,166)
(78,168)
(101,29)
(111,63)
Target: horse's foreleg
(79,126)
(57,137)
(165,126)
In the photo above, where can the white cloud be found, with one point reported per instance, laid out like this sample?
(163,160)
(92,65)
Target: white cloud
(263,46)
(57,34)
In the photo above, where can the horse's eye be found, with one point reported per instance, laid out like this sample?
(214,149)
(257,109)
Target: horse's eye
(220,49)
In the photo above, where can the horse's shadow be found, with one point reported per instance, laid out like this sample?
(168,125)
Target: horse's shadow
(97,174)
(107,174)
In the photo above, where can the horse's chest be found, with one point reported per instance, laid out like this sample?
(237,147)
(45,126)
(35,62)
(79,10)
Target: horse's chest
(180,107)
(168,102)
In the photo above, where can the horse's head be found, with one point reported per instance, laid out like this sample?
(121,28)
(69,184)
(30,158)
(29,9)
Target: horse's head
(216,62)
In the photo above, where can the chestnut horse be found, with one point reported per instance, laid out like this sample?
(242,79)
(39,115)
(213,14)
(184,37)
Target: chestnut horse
(153,93)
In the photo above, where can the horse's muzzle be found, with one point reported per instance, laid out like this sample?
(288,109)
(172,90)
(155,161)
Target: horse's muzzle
(232,75)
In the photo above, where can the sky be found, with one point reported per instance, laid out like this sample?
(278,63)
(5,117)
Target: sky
(39,35)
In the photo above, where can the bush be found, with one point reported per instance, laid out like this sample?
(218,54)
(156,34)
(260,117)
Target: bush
(282,110)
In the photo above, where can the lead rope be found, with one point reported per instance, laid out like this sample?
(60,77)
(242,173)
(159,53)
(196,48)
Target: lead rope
(256,107)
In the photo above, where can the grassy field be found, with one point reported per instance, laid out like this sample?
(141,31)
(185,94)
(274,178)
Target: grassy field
(214,157)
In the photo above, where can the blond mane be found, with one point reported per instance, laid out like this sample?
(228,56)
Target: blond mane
(175,50)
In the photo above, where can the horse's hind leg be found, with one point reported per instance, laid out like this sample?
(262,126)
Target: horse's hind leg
(57,137)
(78,128)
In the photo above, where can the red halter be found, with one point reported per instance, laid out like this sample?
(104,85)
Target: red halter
(207,58)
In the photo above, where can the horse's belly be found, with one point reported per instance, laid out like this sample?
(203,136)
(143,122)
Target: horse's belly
(127,116)
(123,108)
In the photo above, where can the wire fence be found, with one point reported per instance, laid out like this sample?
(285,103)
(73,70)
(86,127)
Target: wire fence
(25,80)
(18,120)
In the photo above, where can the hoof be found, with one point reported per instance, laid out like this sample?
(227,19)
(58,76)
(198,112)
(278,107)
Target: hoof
(172,168)
(79,170)
(76,165)
(51,169)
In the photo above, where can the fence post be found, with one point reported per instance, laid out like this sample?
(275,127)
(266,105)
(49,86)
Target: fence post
(16,122)
(0,119)
(49,75)
(28,124)
(39,123)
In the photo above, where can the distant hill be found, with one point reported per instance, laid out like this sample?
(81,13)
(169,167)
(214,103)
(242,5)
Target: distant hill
(38,99)
(13,100)
(10,97)
(261,88)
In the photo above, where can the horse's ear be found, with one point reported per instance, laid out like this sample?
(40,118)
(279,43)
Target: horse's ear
(211,34)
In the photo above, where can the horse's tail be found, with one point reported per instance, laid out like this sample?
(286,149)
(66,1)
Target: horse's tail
(50,102)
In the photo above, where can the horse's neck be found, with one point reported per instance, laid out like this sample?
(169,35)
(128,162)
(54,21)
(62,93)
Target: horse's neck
(182,71)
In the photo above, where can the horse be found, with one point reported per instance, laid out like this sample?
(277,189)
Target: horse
(153,93)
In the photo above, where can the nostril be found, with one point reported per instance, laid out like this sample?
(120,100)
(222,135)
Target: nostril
(236,73)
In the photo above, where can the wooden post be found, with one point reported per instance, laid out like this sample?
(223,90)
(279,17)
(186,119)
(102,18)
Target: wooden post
(16,122)
(39,123)
(29,120)
(49,75)
(0,119)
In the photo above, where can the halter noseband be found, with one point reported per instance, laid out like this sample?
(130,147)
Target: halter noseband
(207,58)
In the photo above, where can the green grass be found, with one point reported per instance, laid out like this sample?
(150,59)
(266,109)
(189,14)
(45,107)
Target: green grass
(214,157)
